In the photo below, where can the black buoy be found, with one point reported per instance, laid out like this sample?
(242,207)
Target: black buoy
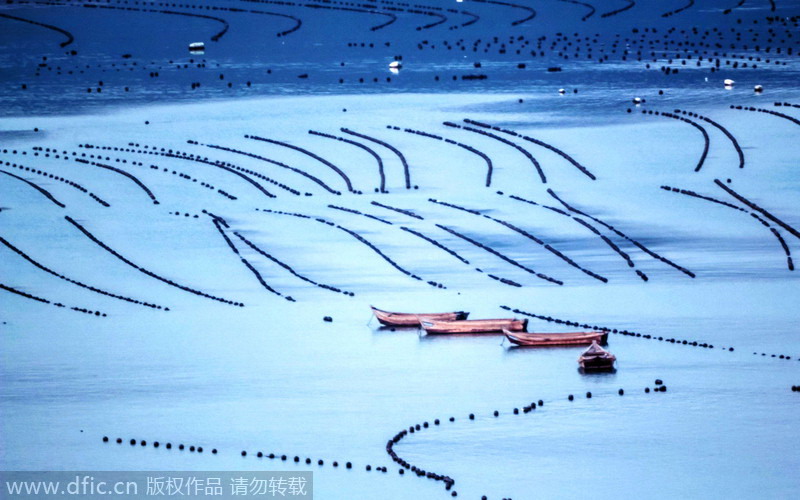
(588,395)
(105,439)
(570,397)
(620,392)
(472,416)
(646,390)
(244,453)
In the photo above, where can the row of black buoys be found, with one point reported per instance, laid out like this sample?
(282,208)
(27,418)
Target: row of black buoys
(357,212)
(398,210)
(435,243)
(485,157)
(406,172)
(182,175)
(757,208)
(46,301)
(289,268)
(75,282)
(696,125)
(755,215)
(110,250)
(66,181)
(588,226)
(272,162)
(505,141)
(724,130)
(616,231)
(47,194)
(500,255)
(538,142)
(124,173)
(796,388)
(767,111)
(156,444)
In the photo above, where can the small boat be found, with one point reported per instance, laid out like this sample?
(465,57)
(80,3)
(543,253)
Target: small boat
(555,339)
(413,319)
(475,326)
(197,47)
(595,358)
(728,82)
(395,65)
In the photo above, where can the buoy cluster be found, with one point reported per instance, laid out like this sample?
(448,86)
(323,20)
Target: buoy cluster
(46,301)
(721,128)
(145,271)
(157,444)
(435,243)
(406,172)
(378,159)
(123,173)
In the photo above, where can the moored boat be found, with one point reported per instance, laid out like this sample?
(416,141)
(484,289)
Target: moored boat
(475,326)
(413,319)
(555,339)
(595,358)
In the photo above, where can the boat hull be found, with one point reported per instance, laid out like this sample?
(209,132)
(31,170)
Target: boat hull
(412,319)
(555,339)
(475,326)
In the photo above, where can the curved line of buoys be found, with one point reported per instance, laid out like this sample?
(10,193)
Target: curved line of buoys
(214,37)
(583,4)
(75,282)
(616,231)
(363,147)
(528,235)
(398,210)
(357,212)
(729,10)
(722,129)
(585,171)
(690,343)
(531,11)
(46,301)
(276,163)
(505,141)
(392,17)
(35,186)
(288,268)
(218,223)
(631,4)
(767,111)
(689,4)
(499,255)
(308,153)
(180,155)
(58,178)
(613,246)
(123,173)
(469,148)
(757,208)
(692,123)
(786,104)
(388,146)
(359,238)
(435,243)
(143,270)
(64,32)
(763,222)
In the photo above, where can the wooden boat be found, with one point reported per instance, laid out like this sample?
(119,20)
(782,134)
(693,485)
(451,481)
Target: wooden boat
(555,339)
(413,319)
(595,358)
(475,326)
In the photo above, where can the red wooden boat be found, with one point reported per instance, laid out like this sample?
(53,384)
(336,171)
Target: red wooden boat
(555,339)
(475,326)
(595,358)
(413,319)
